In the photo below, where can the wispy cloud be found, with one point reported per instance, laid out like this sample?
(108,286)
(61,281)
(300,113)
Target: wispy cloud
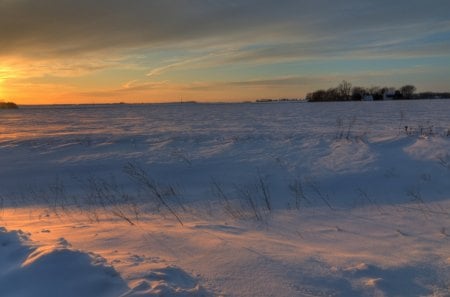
(69,67)
(177,64)
(142,86)
(48,28)
(225,43)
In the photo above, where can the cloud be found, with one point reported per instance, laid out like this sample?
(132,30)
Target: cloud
(196,61)
(142,86)
(275,82)
(129,87)
(66,27)
(49,28)
(213,45)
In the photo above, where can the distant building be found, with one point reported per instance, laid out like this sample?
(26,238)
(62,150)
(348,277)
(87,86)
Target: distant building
(367,97)
(388,95)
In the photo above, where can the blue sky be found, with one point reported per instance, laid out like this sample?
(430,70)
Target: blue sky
(152,51)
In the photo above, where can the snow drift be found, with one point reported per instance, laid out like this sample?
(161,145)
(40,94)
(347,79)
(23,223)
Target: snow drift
(30,270)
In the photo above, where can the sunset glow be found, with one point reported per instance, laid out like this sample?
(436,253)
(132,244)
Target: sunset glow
(115,51)
(239,148)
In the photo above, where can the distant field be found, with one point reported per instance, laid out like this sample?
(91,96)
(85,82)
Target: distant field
(279,199)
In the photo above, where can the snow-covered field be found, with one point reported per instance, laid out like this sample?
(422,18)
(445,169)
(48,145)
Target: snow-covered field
(285,199)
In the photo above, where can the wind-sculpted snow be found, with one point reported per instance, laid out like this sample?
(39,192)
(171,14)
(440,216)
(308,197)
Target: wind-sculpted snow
(284,199)
(371,145)
(30,270)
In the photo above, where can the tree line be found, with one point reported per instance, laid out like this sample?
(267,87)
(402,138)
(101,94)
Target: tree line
(8,105)
(346,92)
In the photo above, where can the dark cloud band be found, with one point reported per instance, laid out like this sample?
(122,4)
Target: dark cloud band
(66,27)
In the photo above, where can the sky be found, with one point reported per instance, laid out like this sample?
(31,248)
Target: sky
(67,51)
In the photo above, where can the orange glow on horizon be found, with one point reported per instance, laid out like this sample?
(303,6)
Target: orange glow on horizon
(23,92)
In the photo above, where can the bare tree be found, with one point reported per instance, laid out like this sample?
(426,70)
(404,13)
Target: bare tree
(344,90)
(407,91)
(358,93)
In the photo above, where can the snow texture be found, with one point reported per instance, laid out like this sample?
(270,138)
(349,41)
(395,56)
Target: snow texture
(285,199)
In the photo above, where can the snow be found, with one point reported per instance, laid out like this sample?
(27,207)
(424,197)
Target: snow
(29,270)
(286,199)
(58,270)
